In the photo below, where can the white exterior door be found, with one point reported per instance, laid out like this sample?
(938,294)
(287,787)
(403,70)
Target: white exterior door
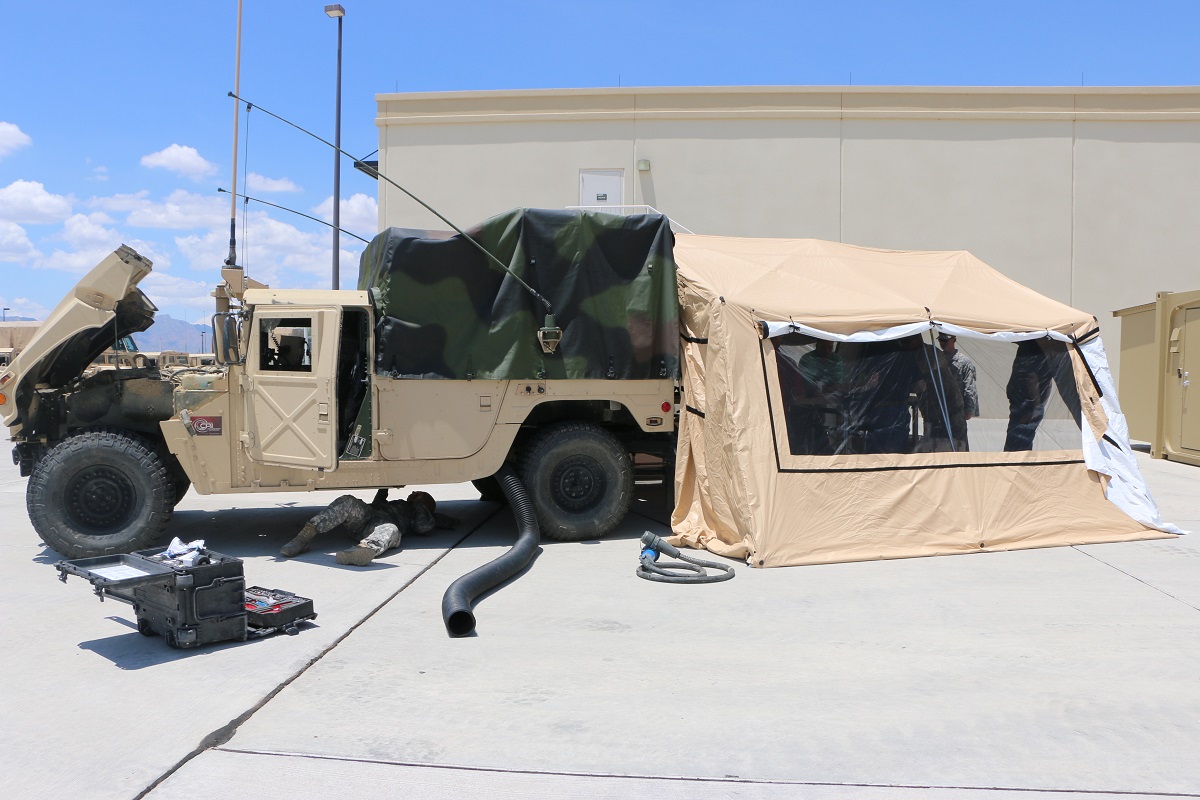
(601,187)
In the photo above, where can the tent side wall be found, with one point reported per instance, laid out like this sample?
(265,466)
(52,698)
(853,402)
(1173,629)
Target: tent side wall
(860,516)
(921,505)
(742,492)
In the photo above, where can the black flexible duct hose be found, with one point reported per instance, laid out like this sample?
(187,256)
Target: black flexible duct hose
(456,603)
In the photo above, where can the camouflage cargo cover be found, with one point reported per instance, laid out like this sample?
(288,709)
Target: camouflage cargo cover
(446,311)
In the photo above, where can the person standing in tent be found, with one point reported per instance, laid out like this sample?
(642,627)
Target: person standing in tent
(822,371)
(809,385)
(879,401)
(964,371)
(1038,363)
(944,424)
(822,367)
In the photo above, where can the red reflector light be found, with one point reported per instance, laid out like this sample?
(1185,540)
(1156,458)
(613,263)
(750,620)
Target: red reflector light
(666,406)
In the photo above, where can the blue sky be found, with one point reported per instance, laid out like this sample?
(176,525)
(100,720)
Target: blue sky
(115,125)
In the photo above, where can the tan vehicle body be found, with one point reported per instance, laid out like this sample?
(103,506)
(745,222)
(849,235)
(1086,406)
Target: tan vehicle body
(250,425)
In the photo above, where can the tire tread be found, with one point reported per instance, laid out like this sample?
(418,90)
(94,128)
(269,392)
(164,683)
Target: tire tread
(44,492)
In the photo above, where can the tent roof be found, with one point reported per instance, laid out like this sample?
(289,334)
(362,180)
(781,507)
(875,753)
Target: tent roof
(841,288)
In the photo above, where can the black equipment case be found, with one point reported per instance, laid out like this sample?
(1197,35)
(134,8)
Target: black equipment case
(188,605)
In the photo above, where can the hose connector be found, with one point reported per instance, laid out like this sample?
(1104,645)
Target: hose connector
(652,542)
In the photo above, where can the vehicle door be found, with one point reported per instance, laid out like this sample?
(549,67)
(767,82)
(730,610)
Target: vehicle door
(289,396)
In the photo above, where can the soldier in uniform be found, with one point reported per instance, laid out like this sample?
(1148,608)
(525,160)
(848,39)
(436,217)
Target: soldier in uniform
(379,525)
(964,370)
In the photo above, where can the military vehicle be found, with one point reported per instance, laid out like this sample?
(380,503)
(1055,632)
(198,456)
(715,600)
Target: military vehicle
(438,368)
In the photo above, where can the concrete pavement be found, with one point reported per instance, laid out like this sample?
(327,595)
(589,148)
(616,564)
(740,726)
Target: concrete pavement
(1065,672)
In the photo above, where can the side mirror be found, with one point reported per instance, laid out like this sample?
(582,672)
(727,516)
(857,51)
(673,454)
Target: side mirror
(227,338)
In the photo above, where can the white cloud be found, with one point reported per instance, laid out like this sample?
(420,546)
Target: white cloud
(76,261)
(360,214)
(272,252)
(23,307)
(29,202)
(181,210)
(153,251)
(260,183)
(182,160)
(172,292)
(90,253)
(15,244)
(88,231)
(12,139)
(99,174)
(118,203)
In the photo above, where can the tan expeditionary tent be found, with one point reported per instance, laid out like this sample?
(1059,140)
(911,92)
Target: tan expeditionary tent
(843,403)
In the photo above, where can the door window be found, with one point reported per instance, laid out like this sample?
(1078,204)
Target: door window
(285,345)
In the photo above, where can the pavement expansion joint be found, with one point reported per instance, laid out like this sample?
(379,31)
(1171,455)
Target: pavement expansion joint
(1136,578)
(728,779)
(226,732)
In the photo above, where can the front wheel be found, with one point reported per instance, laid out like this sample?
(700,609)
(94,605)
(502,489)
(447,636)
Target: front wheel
(100,492)
(580,480)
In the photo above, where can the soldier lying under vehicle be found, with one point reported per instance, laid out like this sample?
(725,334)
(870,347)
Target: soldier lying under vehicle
(379,525)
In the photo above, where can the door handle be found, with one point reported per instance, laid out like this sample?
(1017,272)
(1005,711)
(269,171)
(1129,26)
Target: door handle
(323,412)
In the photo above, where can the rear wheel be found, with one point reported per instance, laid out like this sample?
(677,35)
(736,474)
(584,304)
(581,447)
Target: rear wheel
(580,480)
(99,492)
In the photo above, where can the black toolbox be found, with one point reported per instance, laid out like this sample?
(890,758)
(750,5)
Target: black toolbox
(188,605)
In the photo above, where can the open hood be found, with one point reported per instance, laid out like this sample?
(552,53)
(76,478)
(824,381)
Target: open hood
(104,306)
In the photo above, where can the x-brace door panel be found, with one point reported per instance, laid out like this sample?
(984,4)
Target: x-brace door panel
(290,414)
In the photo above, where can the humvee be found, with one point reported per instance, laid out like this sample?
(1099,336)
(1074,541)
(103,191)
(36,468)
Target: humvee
(438,369)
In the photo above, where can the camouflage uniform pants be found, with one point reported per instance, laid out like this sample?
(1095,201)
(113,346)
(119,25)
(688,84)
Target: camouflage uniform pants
(379,527)
(348,511)
(353,515)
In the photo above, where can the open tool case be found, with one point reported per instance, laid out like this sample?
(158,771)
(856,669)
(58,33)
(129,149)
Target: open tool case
(271,610)
(189,604)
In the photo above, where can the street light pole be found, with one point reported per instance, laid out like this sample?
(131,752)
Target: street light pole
(4,318)
(337,11)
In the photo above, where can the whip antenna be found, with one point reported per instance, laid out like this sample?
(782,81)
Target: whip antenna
(231,259)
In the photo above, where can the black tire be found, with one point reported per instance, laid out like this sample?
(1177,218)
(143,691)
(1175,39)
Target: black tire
(145,628)
(580,480)
(99,492)
(489,489)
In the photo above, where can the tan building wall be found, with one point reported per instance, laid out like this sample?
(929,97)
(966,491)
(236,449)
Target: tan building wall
(16,334)
(1089,195)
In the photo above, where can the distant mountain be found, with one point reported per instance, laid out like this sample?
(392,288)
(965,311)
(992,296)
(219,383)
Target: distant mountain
(168,333)
(11,318)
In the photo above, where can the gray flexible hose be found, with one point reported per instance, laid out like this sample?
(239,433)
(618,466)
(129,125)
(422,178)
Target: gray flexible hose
(686,570)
